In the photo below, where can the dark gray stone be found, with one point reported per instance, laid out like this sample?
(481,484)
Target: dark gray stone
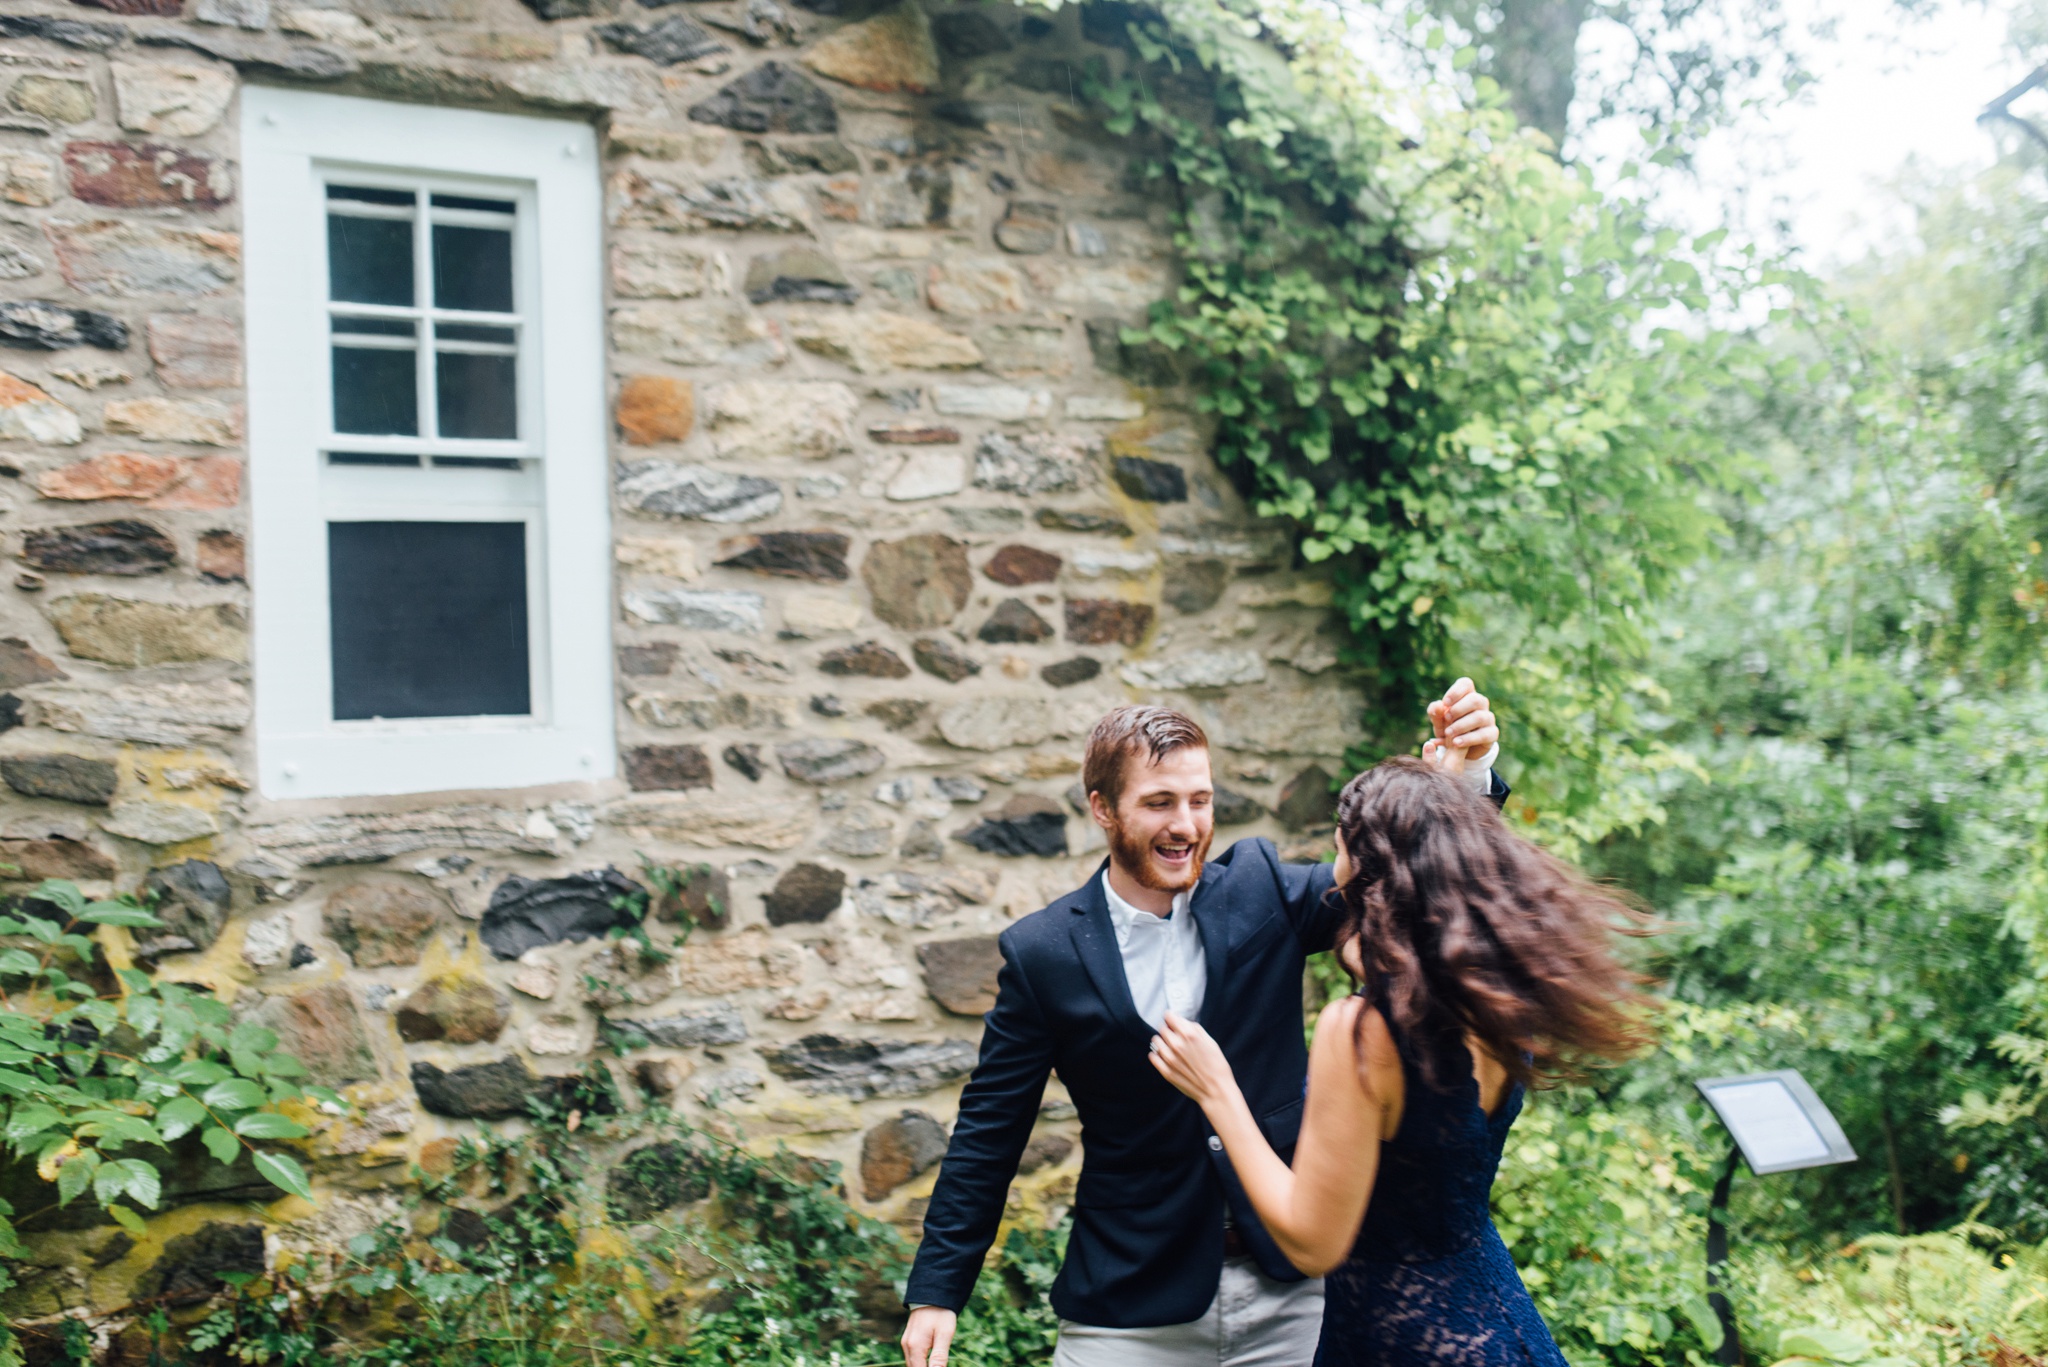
(1060,521)
(123,547)
(563,9)
(821,760)
(70,32)
(1234,808)
(526,913)
(675,39)
(1151,481)
(1308,800)
(498,1090)
(819,556)
(829,705)
(1014,623)
(800,273)
(192,901)
(191,1266)
(863,1068)
(1108,22)
(868,660)
(1195,585)
(941,660)
(897,714)
(22,664)
(1143,363)
(264,55)
(897,1150)
(1028,824)
(961,974)
(667,768)
(806,894)
(1044,1151)
(68,778)
(772,98)
(657,1178)
(644,662)
(720,1025)
(1067,673)
(967,34)
(40,324)
(746,759)
(844,9)
(10,712)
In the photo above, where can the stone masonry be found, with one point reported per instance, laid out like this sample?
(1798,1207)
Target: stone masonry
(897,514)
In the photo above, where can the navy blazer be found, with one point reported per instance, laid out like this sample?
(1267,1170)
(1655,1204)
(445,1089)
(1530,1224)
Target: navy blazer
(1147,1243)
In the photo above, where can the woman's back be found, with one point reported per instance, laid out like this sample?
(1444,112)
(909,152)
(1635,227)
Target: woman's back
(1428,1279)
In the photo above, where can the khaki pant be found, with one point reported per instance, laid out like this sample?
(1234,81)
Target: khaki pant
(1253,1322)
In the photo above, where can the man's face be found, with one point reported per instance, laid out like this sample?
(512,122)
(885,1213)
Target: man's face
(1159,831)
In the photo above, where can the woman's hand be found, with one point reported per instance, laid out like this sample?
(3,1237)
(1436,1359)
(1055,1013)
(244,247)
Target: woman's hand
(1187,1057)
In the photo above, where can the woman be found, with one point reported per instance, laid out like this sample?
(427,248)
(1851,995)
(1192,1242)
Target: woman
(1484,966)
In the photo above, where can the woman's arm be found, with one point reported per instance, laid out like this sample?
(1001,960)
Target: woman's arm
(1313,1209)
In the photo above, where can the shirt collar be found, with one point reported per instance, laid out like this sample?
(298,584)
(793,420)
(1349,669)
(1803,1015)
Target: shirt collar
(1124,915)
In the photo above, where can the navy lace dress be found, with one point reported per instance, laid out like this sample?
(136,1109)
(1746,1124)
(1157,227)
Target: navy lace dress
(1429,1280)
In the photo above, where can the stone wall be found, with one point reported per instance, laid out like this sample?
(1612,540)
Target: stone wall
(897,515)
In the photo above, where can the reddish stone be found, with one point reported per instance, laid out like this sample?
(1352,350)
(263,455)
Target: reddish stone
(870,659)
(1019,565)
(1107,621)
(194,351)
(181,482)
(127,176)
(913,434)
(222,557)
(22,664)
(55,857)
(654,409)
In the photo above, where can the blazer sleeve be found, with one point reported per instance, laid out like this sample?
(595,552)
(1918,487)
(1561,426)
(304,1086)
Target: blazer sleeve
(1305,889)
(998,1108)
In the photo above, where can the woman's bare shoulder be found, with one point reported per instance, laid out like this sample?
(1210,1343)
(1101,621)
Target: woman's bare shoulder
(1349,1023)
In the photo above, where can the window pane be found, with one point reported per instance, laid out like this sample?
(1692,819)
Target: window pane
(428,619)
(487,206)
(478,395)
(371,458)
(472,268)
(369,260)
(376,393)
(366,194)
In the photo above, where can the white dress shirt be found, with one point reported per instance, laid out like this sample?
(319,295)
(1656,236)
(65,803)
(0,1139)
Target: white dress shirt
(1162,957)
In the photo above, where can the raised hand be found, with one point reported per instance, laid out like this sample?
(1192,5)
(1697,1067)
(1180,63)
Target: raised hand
(1465,727)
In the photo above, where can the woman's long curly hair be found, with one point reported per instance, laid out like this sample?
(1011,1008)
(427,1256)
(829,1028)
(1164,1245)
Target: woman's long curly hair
(1467,930)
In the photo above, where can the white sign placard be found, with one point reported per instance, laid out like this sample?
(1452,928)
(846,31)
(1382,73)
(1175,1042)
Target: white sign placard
(1777,1121)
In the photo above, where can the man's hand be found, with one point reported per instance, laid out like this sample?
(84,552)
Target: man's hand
(928,1338)
(1465,728)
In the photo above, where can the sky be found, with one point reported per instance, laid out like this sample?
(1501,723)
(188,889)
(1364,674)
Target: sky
(1888,92)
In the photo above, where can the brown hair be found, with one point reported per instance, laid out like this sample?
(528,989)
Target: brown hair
(1466,929)
(1120,733)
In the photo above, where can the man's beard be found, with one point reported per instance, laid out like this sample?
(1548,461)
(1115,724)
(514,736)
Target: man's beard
(1134,857)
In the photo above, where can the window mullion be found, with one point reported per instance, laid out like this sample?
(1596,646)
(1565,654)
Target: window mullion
(423,299)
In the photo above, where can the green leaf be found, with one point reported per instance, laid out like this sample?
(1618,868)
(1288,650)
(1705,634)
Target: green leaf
(269,1125)
(233,1094)
(1699,1312)
(145,1184)
(285,1173)
(1836,1345)
(221,1143)
(27,1121)
(128,1219)
(199,1073)
(179,1117)
(74,1177)
(117,914)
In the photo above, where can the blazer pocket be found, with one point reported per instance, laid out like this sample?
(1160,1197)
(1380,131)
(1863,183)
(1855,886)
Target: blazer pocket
(1282,1124)
(1268,930)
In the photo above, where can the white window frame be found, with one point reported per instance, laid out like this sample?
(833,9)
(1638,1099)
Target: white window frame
(292,142)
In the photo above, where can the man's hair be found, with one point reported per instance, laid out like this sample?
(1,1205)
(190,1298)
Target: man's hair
(1159,731)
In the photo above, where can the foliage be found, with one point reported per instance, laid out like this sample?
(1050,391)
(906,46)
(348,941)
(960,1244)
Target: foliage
(101,1065)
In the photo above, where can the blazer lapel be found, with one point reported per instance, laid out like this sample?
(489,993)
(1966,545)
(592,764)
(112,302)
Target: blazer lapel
(1212,917)
(1095,944)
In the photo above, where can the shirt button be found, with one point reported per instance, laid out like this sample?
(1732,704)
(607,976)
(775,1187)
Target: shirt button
(1215,1144)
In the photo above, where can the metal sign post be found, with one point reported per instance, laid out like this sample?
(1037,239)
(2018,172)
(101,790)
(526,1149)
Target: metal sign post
(1779,1125)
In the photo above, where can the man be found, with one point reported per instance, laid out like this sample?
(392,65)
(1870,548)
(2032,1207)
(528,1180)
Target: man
(1166,1263)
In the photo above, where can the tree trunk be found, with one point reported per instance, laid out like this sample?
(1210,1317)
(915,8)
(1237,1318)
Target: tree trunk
(1535,58)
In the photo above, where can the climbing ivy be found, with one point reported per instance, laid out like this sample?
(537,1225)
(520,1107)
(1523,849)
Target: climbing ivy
(1477,387)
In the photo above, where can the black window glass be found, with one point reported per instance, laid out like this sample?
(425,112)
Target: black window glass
(473,268)
(371,458)
(487,206)
(478,395)
(428,619)
(368,194)
(376,392)
(369,260)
